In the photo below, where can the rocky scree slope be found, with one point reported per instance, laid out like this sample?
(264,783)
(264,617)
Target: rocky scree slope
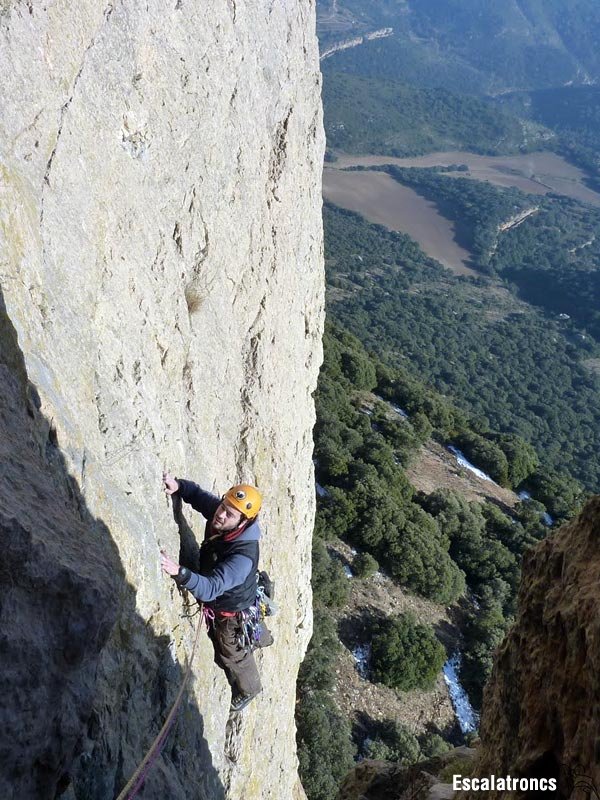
(161,307)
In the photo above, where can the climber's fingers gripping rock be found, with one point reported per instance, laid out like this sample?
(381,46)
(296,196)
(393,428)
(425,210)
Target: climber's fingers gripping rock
(171,483)
(167,564)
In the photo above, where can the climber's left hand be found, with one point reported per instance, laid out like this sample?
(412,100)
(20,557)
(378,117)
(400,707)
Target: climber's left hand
(168,565)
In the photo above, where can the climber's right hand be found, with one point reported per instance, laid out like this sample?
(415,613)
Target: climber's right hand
(171,483)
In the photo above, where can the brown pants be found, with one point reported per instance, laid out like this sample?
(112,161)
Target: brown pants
(238,664)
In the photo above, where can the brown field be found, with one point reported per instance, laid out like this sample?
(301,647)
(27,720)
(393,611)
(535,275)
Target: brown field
(381,199)
(537,173)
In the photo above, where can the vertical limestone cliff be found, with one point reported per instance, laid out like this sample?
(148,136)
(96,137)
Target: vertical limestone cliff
(161,307)
(541,709)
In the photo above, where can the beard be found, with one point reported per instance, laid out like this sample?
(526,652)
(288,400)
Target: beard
(225,527)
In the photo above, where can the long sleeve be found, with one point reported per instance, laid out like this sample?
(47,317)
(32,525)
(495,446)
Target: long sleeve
(204,502)
(225,576)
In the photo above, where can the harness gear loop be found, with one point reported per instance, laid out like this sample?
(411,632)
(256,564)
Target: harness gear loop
(135,783)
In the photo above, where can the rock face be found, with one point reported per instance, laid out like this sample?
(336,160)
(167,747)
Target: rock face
(541,708)
(161,307)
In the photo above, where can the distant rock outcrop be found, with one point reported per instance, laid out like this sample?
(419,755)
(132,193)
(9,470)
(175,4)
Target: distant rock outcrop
(427,780)
(382,33)
(161,306)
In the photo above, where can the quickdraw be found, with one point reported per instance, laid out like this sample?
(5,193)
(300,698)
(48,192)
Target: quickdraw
(209,615)
(252,620)
(250,628)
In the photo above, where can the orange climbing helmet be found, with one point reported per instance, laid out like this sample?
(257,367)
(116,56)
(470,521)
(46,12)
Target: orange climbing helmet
(244,498)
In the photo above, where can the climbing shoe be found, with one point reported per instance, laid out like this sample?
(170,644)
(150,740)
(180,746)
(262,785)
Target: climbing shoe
(240,701)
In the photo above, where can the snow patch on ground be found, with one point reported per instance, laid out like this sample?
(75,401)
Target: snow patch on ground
(464,462)
(467,718)
(394,407)
(362,655)
(399,410)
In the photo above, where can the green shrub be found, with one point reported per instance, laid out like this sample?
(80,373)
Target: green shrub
(364,565)
(483,630)
(317,669)
(521,456)
(329,581)
(432,744)
(562,496)
(394,742)
(359,369)
(325,749)
(460,766)
(486,455)
(405,654)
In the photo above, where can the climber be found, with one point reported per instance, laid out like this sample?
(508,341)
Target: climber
(226,581)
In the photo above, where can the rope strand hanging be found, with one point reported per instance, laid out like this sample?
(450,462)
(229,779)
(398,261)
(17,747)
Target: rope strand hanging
(135,783)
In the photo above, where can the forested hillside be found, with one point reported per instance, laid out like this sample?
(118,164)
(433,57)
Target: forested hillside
(417,320)
(469,45)
(548,247)
(370,115)
(437,546)
(573,113)
(502,363)
(509,366)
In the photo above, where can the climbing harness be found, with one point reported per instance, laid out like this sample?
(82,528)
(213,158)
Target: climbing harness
(136,781)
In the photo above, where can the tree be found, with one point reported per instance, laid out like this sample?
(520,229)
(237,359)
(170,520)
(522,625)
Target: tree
(432,744)
(359,370)
(486,455)
(317,669)
(405,654)
(393,741)
(521,456)
(325,749)
(483,631)
(364,565)
(329,581)
(561,494)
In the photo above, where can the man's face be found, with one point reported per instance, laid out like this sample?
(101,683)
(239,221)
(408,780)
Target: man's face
(226,518)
